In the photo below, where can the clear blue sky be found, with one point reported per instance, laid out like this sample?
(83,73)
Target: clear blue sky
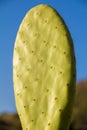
(74,12)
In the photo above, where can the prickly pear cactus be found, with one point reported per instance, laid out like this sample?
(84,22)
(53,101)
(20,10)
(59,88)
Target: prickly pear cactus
(44,71)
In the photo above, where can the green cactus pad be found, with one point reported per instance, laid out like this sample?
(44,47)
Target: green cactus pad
(44,71)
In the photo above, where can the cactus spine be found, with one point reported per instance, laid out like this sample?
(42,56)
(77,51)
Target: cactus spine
(44,71)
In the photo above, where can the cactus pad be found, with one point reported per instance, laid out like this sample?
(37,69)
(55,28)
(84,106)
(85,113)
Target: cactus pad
(44,71)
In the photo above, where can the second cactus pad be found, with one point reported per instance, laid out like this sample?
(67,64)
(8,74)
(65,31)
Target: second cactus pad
(44,71)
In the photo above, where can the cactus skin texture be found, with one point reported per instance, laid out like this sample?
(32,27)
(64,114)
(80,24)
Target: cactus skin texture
(44,71)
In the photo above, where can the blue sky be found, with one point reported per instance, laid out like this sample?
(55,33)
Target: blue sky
(74,12)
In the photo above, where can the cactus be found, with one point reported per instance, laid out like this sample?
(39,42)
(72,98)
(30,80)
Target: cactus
(44,71)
